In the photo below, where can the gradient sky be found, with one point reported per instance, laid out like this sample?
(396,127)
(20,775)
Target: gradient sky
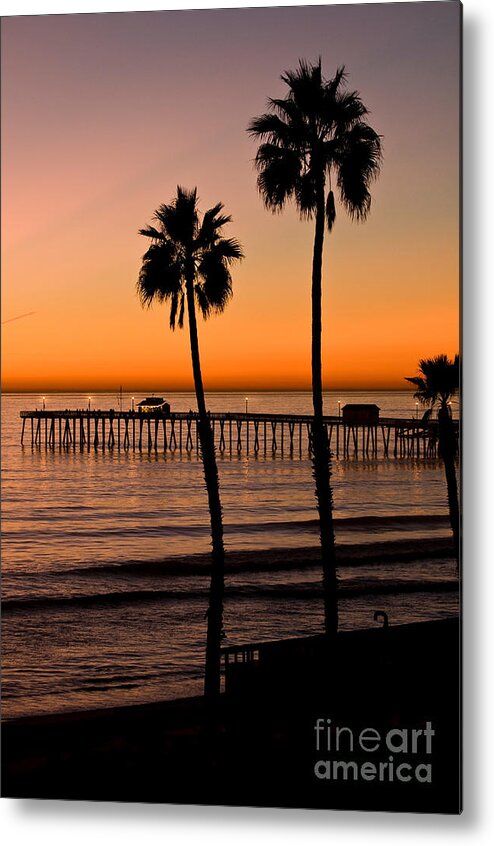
(103,115)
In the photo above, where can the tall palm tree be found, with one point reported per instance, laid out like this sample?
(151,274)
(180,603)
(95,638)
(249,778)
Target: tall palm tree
(436,386)
(188,264)
(315,138)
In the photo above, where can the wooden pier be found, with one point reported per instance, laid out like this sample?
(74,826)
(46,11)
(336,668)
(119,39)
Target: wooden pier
(276,434)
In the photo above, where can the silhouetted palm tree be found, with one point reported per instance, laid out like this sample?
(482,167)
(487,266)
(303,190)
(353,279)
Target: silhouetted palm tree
(437,385)
(314,138)
(188,263)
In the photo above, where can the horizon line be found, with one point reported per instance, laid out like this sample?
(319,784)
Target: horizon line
(149,391)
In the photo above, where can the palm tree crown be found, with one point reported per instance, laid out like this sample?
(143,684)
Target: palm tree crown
(439,380)
(317,132)
(185,249)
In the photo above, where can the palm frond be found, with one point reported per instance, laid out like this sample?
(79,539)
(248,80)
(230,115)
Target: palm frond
(358,164)
(347,110)
(212,222)
(423,394)
(333,85)
(160,274)
(278,174)
(305,193)
(228,249)
(291,115)
(267,125)
(439,380)
(305,73)
(217,288)
(289,132)
(179,218)
(306,87)
(152,232)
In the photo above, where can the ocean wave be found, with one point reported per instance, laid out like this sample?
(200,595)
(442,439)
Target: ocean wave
(365,522)
(297,591)
(373,555)
(271,560)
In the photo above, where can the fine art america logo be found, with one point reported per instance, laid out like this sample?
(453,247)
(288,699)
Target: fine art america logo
(400,754)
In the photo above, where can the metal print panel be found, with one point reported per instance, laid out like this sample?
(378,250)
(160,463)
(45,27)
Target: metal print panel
(231,414)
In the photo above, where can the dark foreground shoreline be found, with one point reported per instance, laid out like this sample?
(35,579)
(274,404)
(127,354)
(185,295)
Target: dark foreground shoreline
(258,747)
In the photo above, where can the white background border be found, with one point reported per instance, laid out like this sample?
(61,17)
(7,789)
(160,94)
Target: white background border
(40,822)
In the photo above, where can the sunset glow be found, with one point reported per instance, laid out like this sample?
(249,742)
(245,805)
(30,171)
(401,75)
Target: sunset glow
(102,117)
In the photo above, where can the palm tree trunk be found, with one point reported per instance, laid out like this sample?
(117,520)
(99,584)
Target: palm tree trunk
(447,449)
(321,460)
(212,677)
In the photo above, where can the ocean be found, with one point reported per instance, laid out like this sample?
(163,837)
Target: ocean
(104,553)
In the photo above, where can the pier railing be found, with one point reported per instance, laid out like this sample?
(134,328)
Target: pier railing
(234,433)
(293,666)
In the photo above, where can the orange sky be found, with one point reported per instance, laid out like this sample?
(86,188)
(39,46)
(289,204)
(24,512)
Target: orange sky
(102,116)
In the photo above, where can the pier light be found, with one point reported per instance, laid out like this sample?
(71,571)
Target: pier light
(416,410)
(44,402)
(246,405)
(89,403)
(339,409)
(132,403)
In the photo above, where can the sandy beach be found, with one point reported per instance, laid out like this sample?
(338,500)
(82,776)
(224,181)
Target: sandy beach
(258,747)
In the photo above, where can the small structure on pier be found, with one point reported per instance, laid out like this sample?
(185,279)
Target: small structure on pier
(151,404)
(356,414)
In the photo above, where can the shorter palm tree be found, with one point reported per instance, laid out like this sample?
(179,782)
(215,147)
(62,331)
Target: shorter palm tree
(188,264)
(436,386)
